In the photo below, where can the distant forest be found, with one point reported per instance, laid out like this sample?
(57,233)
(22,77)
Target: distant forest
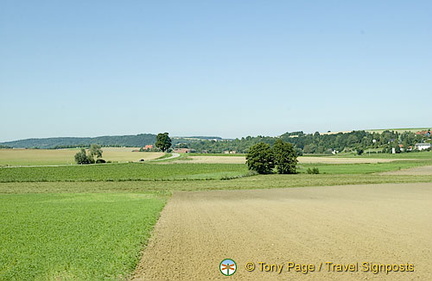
(316,143)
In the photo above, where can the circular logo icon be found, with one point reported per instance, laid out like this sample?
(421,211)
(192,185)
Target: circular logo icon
(228,267)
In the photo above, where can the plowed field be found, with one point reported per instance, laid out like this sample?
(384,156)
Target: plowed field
(332,233)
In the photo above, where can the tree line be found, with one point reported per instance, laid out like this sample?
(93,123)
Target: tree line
(316,143)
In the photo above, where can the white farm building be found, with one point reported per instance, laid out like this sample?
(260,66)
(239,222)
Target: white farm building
(423,146)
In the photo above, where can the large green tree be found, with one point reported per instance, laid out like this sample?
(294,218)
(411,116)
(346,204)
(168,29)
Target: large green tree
(163,141)
(260,158)
(285,157)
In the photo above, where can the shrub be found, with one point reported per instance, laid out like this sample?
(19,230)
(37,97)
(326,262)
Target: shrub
(88,158)
(314,170)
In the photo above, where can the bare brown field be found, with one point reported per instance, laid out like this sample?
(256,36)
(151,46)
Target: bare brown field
(387,224)
(417,171)
(322,160)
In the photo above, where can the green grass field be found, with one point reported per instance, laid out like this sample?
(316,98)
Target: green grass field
(362,168)
(425,155)
(90,222)
(183,171)
(122,172)
(74,236)
(255,182)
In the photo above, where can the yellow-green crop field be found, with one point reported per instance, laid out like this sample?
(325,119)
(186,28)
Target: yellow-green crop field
(27,157)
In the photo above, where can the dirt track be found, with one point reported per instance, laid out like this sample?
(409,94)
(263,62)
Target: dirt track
(386,224)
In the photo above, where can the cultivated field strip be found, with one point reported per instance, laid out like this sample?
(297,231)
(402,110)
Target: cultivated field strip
(417,171)
(302,160)
(385,224)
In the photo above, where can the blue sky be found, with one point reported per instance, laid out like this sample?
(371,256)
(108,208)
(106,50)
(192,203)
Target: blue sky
(223,68)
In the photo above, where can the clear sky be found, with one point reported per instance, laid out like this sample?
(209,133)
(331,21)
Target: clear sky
(212,67)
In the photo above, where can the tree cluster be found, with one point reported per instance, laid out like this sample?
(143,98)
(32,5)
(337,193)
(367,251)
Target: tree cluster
(84,157)
(264,158)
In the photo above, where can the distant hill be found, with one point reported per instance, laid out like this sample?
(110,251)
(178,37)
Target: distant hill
(128,140)
(68,142)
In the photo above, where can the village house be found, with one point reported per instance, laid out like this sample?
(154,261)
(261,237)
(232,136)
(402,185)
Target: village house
(424,133)
(147,147)
(423,146)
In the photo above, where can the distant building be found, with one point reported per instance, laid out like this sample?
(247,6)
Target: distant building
(145,148)
(423,146)
(230,152)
